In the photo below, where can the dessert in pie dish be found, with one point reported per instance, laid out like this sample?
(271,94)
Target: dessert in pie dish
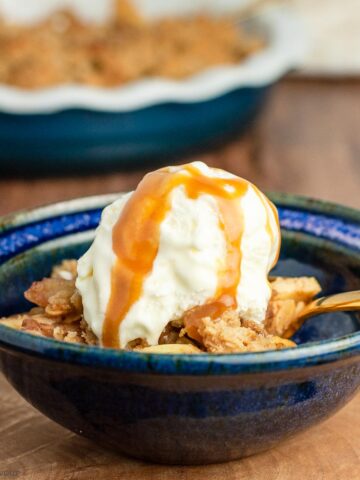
(180,265)
(64,50)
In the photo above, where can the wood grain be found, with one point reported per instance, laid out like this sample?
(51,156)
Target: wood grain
(307,142)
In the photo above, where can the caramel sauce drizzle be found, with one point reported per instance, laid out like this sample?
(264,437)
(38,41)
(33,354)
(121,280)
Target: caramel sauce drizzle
(136,237)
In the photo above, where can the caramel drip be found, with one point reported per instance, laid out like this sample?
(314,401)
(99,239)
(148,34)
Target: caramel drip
(136,237)
(135,244)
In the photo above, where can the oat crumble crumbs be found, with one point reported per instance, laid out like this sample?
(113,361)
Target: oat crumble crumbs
(63,50)
(58,314)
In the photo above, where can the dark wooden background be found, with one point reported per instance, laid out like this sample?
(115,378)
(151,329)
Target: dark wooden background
(306,142)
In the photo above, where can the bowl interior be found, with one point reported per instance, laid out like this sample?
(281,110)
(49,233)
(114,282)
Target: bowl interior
(335,268)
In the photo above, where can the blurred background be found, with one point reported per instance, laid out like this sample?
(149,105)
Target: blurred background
(92,99)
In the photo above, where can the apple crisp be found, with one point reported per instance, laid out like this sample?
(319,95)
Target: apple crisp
(58,314)
(63,50)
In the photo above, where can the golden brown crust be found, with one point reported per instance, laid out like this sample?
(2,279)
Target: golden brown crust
(56,295)
(229,334)
(298,288)
(59,315)
(62,50)
(289,297)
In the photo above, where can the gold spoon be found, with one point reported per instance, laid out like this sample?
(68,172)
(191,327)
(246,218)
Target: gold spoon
(344,302)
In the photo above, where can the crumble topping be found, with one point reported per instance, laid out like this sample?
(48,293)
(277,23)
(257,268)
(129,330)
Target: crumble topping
(289,297)
(63,50)
(59,315)
(230,334)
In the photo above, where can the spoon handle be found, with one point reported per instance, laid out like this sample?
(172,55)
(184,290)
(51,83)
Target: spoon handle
(344,302)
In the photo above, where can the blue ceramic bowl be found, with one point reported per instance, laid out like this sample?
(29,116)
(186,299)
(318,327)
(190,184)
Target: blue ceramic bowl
(82,128)
(185,409)
(83,139)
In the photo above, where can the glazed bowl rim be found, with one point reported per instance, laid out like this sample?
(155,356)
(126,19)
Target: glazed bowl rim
(286,50)
(314,353)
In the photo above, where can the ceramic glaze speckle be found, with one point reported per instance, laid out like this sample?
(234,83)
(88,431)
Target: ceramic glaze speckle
(321,226)
(19,239)
(24,237)
(162,407)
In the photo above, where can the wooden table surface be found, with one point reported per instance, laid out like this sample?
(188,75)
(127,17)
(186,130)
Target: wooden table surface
(306,142)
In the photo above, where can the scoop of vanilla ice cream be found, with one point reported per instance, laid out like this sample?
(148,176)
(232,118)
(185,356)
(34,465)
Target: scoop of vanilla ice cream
(184,274)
